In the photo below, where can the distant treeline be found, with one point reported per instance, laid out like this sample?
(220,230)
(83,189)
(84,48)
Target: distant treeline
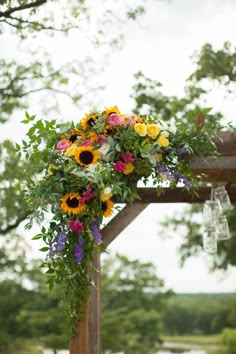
(199,313)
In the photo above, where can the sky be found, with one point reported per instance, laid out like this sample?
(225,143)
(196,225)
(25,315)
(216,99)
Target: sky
(159,44)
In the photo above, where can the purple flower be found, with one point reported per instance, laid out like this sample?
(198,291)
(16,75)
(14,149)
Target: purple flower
(178,177)
(57,244)
(50,253)
(79,251)
(61,241)
(187,184)
(160,168)
(96,231)
(181,178)
(181,151)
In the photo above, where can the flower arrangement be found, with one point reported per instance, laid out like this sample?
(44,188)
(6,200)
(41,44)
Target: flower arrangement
(78,172)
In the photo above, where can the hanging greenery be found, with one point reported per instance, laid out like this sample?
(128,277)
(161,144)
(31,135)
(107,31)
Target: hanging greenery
(79,171)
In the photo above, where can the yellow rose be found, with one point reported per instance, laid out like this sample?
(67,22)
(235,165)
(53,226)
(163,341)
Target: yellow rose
(162,141)
(153,130)
(52,167)
(140,129)
(105,194)
(71,150)
(129,167)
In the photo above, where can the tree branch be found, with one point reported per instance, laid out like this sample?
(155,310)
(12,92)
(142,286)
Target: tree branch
(37,3)
(13,226)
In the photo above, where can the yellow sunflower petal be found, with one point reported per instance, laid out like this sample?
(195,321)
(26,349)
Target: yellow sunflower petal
(70,204)
(107,207)
(86,155)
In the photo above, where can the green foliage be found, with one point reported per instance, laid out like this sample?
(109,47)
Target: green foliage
(198,314)
(27,310)
(149,97)
(216,65)
(31,17)
(191,234)
(19,82)
(26,20)
(228,339)
(132,302)
(13,174)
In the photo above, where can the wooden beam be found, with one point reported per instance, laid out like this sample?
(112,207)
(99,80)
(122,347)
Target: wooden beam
(218,169)
(121,221)
(226,143)
(179,195)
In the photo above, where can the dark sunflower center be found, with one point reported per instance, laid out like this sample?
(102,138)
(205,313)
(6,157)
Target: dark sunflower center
(72,202)
(73,137)
(86,157)
(91,121)
(109,131)
(111,113)
(104,206)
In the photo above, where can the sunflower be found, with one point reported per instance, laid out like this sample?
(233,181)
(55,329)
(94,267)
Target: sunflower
(109,130)
(70,203)
(111,110)
(89,120)
(107,208)
(85,155)
(72,135)
(92,136)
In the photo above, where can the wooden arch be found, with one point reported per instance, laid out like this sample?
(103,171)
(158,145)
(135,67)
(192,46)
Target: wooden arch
(220,171)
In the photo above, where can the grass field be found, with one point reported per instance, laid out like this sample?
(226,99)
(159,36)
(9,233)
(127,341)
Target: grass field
(204,340)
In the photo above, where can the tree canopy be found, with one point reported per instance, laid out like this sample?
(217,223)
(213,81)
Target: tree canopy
(213,65)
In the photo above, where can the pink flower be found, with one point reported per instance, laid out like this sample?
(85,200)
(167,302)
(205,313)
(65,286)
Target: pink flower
(86,142)
(102,139)
(76,226)
(132,120)
(114,119)
(127,157)
(119,166)
(88,194)
(63,145)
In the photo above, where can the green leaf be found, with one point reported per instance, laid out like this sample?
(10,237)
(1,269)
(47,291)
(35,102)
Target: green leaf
(25,121)
(36,237)
(43,249)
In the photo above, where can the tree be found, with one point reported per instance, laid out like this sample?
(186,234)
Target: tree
(27,310)
(132,302)
(228,339)
(30,19)
(198,313)
(213,66)
(216,65)
(192,237)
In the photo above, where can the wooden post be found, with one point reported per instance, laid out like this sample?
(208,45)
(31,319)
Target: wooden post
(94,321)
(79,344)
(88,339)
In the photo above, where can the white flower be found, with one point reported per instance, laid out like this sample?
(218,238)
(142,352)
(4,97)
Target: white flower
(107,190)
(165,133)
(173,129)
(103,151)
(85,172)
